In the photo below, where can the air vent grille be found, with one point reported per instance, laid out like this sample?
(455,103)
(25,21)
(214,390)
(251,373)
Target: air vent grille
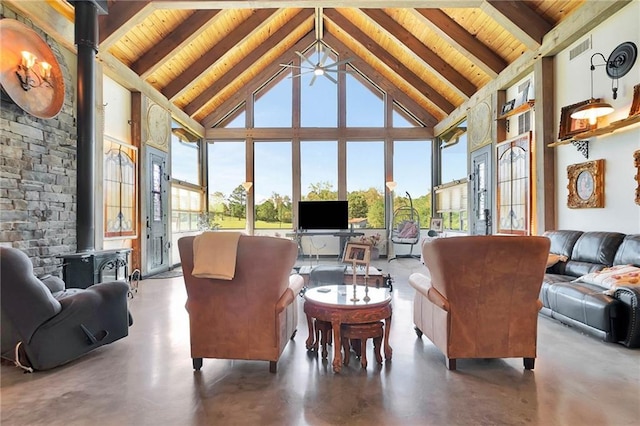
(582,47)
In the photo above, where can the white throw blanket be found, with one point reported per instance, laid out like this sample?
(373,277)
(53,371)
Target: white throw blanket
(214,255)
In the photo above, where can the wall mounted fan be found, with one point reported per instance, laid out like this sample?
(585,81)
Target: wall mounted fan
(321,67)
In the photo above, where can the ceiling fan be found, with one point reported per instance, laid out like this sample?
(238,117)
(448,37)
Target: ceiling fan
(321,67)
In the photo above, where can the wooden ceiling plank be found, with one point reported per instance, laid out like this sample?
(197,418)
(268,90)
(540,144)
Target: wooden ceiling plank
(381,81)
(454,34)
(201,100)
(271,4)
(385,57)
(208,59)
(122,16)
(232,103)
(518,19)
(184,34)
(592,14)
(432,61)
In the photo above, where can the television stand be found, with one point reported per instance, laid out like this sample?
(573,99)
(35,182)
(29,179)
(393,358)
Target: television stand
(343,235)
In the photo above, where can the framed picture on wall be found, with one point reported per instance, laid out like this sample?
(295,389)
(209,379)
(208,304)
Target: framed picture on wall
(636,162)
(635,104)
(586,185)
(570,126)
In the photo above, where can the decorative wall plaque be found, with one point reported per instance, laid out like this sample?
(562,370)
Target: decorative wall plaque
(479,124)
(158,127)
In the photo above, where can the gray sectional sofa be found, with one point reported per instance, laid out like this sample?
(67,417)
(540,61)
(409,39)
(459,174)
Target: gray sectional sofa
(613,317)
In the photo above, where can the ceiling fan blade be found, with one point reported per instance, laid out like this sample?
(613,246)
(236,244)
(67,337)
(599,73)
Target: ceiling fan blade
(296,66)
(304,58)
(313,79)
(300,73)
(324,56)
(344,61)
(330,78)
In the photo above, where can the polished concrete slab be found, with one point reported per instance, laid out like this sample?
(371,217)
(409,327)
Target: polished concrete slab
(147,379)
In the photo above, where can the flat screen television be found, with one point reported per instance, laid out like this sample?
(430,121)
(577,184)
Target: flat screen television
(323,215)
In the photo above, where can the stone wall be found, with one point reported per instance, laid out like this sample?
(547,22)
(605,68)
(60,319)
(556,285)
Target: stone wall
(38,176)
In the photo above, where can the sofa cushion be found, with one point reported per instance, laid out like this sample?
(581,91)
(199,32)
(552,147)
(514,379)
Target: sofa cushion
(592,252)
(562,241)
(629,251)
(585,303)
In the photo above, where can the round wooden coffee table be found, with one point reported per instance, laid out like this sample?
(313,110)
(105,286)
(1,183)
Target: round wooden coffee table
(335,304)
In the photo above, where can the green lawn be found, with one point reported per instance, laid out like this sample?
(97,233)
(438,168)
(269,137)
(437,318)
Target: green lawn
(229,222)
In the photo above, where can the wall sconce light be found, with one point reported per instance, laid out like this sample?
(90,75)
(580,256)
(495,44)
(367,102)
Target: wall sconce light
(391,185)
(619,64)
(247,185)
(28,73)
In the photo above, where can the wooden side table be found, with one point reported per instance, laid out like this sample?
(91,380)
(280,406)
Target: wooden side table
(360,333)
(334,304)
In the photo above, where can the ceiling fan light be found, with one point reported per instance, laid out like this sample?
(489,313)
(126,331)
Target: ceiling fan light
(318,71)
(591,111)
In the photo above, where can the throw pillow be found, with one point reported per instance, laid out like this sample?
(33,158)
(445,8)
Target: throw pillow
(613,277)
(410,230)
(555,258)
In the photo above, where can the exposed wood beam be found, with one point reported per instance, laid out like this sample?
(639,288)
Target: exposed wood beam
(591,14)
(454,34)
(180,37)
(117,71)
(238,97)
(203,98)
(431,60)
(518,19)
(391,89)
(390,61)
(48,19)
(320,133)
(122,16)
(252,24)
(270,4)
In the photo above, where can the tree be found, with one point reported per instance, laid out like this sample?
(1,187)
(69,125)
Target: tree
(358,207)
(266,211)
(238,202)
(217,204)
(321,191)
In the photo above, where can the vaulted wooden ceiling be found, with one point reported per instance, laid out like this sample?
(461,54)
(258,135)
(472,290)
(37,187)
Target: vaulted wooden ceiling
(430,56)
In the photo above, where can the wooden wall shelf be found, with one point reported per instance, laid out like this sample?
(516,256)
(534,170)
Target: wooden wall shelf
(518,110)
(612,127)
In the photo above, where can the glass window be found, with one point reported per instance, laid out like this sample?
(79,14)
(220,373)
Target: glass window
(453,154)
(402,118)
(365,184)
(319,170)
(119,189)
(365,106)
(186,208)
(236,120)
(273,103)
(272,187)
(319,101)
(412,173)
(227,197)
(185,164)
(513,185)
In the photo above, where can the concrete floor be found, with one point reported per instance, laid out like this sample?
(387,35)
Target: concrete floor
(147,379)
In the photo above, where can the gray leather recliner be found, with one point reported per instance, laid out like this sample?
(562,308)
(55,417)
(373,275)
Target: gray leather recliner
(49,325)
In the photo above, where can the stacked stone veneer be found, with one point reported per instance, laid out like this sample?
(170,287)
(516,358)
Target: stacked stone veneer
(38,176)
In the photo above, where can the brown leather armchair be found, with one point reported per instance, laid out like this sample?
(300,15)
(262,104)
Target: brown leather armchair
(250,317)
(481,298)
